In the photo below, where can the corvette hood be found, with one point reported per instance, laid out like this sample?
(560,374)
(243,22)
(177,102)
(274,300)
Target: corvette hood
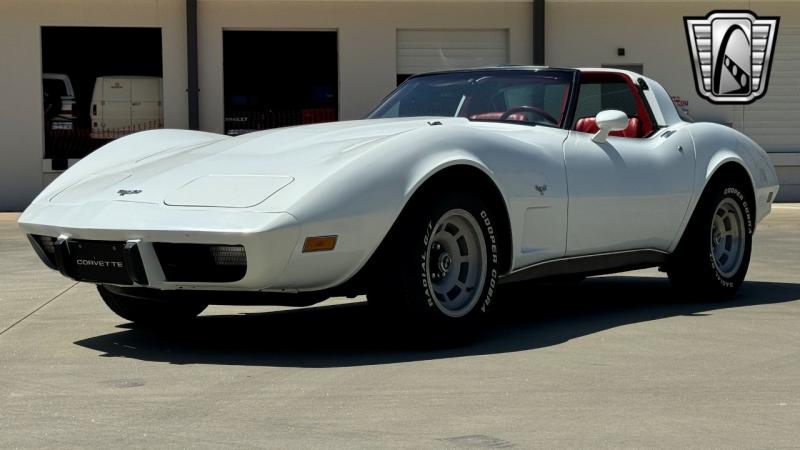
(237,172)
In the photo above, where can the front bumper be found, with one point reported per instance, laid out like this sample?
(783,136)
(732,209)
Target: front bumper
(269,239)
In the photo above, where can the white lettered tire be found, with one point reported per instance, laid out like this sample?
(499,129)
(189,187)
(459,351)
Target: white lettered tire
(712,258)
(444,264)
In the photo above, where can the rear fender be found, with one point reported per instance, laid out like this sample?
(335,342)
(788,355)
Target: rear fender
(715,146)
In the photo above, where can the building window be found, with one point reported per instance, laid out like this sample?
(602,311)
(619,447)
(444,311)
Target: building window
(279,78)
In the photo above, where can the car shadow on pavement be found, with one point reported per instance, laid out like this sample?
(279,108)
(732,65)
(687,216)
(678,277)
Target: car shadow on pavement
(529,317)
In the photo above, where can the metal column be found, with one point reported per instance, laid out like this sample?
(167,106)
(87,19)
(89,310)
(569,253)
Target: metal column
(538,32)
(191,53)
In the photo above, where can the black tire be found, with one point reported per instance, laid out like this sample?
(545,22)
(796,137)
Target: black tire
(409,271)
(147,311)
(694,269)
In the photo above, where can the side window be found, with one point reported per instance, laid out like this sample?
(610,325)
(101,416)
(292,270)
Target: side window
(599,96)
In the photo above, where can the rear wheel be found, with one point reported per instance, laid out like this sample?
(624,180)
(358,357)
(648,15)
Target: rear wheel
(439,268)
(147,311)
(714,254)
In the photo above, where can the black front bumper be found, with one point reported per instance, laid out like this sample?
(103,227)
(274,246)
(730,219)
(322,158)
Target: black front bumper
(104,262)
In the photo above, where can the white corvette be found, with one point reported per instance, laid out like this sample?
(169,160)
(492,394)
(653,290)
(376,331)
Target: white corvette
(457,182)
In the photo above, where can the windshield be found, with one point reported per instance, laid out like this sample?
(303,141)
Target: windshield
(526,97)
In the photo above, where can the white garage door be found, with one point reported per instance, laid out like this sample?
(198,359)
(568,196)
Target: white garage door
(429,50)
(774,121)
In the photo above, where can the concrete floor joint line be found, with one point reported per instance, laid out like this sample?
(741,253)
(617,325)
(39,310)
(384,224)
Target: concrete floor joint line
(38,308)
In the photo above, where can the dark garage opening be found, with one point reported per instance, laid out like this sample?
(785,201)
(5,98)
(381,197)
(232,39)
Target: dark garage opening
(73,60)
(279,78)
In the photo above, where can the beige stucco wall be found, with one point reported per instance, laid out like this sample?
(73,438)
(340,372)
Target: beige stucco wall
(589,33)
(366,32)
(652,33)
(21,123)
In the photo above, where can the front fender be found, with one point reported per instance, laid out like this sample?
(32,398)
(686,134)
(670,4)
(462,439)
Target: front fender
(428,167)
(361,200)
(360,213)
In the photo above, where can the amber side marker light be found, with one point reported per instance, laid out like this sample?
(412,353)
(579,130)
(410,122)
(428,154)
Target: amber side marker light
(319,244)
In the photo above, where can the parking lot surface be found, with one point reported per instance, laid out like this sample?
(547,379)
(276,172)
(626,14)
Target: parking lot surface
(619,361)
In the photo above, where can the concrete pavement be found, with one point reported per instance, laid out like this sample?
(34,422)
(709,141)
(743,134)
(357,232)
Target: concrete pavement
(617,362)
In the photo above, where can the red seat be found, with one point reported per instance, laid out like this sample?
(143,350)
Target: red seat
(520,117)
(589,125)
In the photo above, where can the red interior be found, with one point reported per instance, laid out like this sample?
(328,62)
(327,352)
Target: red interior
(638,126)
(589,125)
(519,117)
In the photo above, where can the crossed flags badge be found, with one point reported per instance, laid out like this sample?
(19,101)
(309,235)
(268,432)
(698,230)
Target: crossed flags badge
(731,55)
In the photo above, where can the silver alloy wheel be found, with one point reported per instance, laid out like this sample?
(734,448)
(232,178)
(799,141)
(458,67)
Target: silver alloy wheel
(456,263)
(728,237)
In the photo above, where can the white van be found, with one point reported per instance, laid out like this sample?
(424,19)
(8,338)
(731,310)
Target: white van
(125,104)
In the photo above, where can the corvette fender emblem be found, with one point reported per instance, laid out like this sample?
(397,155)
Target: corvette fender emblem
(731,55)
(124,192)
(542,188)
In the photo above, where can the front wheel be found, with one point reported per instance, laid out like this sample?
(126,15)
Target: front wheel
(147,311)
(440,266)
(714,254)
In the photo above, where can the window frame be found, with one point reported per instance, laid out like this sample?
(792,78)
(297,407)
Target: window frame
(569,109)
(643,111)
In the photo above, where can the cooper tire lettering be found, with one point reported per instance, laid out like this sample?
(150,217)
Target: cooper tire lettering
(712,257)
